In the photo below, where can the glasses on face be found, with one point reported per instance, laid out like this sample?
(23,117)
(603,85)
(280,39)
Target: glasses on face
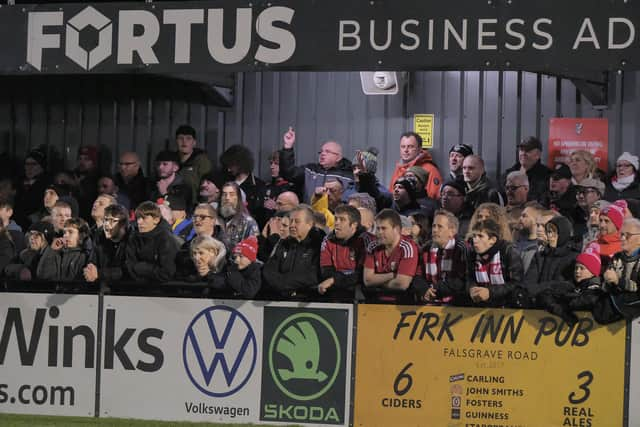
(110,220)
(451,194)
(511,188)
(328,152)
(202,217)
(627,235)
(584,191)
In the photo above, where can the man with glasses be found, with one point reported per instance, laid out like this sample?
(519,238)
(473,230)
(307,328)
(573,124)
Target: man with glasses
(412,154)
(130,179)
(620,298)
(517,189)
(562,193)
(308,177)
(588,192)
(452,200)
(108,258)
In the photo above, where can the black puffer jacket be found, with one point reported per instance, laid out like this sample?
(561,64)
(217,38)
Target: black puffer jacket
(245,283)
(295,265)
(109,257)
(62,265)
(151,256)
(631,192)
(555,264)
(538,177)
(307,177)
(512,273)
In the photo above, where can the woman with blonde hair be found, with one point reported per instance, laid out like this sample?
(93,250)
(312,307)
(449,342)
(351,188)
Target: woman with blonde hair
(494,212)
(208,255)
(582,165)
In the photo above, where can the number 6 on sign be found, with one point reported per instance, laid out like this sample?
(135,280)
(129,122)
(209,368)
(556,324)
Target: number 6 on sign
(403,376)
(584,387)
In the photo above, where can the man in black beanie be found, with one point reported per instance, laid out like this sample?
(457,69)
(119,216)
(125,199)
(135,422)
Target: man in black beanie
(167,179)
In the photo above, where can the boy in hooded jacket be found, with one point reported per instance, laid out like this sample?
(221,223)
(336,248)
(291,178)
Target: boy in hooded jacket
(66,257)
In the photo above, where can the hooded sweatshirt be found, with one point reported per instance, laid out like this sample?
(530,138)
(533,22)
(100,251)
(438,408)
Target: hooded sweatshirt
(151,256)
(555,264)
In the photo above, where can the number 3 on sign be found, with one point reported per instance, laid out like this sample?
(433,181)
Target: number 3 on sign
(403,381)
(586,392)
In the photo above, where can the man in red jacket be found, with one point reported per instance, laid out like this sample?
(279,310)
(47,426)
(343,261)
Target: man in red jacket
(412,154)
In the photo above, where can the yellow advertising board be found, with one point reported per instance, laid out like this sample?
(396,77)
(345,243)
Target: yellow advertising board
(464,367)
(423,126)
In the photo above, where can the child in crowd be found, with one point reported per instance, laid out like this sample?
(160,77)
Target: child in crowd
(39,237)
(65,259)
(244,275)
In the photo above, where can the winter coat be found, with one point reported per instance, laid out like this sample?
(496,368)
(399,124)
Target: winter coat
(151,256)
(178,187)
(255,191)
(110,257)
(294,265)
(527,249)
(425,161)
(193,169)
(7,251)
(554,264)
(28,199)
(28,259)
(246,283)
(482,192)
(452,284)
(238,228)
(185,230)
(512,273)
(565,204)
(631,192)
(64,265)
(538,179)
(625,295)
(307,177)
(136,189)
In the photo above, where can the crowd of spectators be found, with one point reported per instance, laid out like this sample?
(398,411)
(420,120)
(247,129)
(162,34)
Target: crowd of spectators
(564,238)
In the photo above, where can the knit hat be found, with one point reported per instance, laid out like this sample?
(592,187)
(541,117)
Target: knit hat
(463,149)
(457,184)
(420,173)
(247,248)
(615,212)
(168,156)
(592,183)
(39,157)
(370,159)
(91,151)
(626,156)
(408,184)
(44,228)
(590,258)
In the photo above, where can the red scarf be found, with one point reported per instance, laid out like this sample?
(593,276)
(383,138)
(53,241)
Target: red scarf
(439,262)
(489,273)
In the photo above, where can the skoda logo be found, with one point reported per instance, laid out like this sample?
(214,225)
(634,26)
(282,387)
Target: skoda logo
(304,356)
(219,351)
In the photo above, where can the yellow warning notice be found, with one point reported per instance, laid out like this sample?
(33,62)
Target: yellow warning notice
(464,367)
(423,126)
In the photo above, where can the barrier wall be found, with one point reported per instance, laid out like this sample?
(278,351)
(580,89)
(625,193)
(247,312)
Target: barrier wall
(252,362)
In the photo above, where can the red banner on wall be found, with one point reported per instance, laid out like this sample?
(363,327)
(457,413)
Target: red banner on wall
(569,135)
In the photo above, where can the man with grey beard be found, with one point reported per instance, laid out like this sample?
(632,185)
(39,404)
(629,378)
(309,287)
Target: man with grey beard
(236,222)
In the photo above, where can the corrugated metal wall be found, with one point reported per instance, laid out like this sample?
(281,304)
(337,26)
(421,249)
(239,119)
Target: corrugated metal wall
(489,110)
(127,113)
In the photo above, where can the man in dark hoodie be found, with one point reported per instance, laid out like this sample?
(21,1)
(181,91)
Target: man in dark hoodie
(151,252)
(294,266)
(193,162)
(556,262)
(529,154)
(308,177)
(108,259)
(343,252)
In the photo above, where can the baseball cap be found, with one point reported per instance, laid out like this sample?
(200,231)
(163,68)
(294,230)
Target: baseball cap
(561,171)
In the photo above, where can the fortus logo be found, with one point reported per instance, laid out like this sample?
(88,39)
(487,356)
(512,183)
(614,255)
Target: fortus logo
(219,351)
(72,338)
(138,31)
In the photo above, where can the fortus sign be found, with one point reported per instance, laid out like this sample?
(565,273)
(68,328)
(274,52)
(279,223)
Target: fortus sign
(138,31)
